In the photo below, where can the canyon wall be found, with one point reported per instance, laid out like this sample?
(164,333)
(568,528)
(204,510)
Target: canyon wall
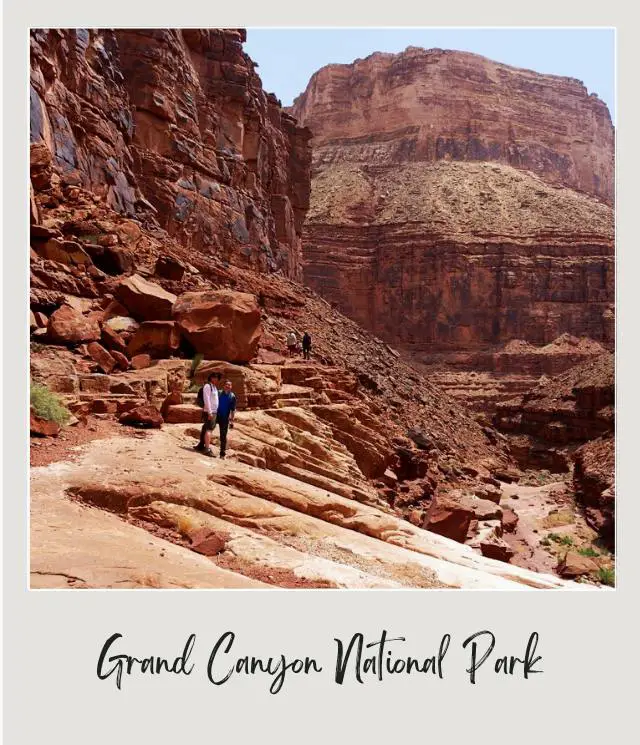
(173,126)
(458,203)
(431,105)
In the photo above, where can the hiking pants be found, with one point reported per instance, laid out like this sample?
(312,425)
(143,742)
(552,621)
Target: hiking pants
(223,423)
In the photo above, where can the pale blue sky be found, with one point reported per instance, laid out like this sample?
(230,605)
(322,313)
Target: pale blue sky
(288,57)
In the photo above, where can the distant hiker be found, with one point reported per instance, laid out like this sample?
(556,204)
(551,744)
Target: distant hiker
(306,345)
(208,399)
(226,413)
(292,343)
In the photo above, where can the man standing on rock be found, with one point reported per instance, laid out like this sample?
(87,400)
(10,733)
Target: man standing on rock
(306,345)
(292,343)
(226,413)
(209,412)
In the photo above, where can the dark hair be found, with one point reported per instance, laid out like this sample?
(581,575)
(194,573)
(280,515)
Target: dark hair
(214,375)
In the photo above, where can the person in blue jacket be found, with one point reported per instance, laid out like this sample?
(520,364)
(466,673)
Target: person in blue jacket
(225,414)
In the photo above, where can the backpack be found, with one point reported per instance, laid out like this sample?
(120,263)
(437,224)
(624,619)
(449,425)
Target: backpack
(200,397)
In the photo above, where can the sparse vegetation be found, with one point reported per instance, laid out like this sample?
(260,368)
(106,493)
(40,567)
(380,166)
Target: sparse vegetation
(47,405)
(562,540)
(607,575)
(557,518)
(588,551)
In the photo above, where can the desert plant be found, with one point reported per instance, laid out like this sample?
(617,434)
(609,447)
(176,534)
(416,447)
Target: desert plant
(588,551)
(563,540)
(607,575)
(47,405)
(195,363)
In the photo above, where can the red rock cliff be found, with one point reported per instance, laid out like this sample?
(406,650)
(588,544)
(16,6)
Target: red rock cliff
(441,214)
(430,105)
(175,123)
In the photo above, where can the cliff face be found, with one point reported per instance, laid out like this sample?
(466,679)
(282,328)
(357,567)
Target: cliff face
(412,231)
(430,105)
(173,125)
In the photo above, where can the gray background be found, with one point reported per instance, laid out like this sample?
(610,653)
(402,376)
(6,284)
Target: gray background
(52,638)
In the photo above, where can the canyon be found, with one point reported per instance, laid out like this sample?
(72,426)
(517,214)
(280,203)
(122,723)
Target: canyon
(464,203)
(178,214)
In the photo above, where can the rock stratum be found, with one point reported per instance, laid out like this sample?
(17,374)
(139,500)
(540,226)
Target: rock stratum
(458,203)
(175,125)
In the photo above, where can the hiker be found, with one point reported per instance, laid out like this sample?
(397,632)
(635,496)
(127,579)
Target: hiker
(208,399)
(306,345)
(226,413)
(292,343)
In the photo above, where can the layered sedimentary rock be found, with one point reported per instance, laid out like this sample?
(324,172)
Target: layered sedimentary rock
(458,203)
(173,126)
(431,105)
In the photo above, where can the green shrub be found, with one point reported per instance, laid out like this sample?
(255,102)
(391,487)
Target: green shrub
(195,363)
(588,551)
(47,405)
(607,575)
(563,540)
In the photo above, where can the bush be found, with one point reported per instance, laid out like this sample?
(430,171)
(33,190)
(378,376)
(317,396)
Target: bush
(607,575)
(195,363)
(47,405)
(588,551)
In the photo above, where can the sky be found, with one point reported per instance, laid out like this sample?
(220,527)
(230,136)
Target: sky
(288,57)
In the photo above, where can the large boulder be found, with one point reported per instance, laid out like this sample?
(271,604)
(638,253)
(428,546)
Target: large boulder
(145,416)
(575,565)
(156,338)
(221,324)
(68,326)
(495,547)
(448,517)
(146,301)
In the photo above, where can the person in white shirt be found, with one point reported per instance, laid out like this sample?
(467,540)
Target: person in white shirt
(292,343)
(209,411)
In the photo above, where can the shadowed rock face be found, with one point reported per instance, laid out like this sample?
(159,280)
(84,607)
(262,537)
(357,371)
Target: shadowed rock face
(175,124)
(458,203)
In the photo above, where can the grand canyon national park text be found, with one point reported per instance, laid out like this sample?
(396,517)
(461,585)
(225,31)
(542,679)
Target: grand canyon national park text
(356,658)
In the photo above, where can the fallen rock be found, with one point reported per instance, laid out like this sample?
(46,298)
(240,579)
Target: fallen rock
(121,360)
(68,326)
(105,361)
(207,542)
(40,427)
(33,324)
(112,340)
(447,517)
(142,416)
(140,361)
(509,520)
(145,300)
(158,339)
(496,548)
(221,324)
(170,268)
(120,324)
(576,565)
(111,259)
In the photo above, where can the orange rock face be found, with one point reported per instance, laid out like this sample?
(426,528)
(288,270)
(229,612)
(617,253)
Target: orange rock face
(173,126)
(431,105)
(458,203)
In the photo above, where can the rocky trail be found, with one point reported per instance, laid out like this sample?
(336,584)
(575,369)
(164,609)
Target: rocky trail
(288,507)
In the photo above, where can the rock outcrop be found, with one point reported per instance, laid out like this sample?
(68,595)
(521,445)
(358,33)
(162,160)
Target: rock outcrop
(458,203)
(173,126)
(432,104)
